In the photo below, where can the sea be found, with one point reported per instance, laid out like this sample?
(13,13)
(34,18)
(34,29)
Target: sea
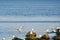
(39,15)
(7,30)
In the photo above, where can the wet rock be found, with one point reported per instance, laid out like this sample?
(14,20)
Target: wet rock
(44,37)
(16,38)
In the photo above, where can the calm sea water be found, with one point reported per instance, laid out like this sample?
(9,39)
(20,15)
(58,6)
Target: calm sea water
(9,29)
(37,14)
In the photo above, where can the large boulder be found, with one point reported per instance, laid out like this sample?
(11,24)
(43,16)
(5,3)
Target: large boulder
(56,38)
(16,38)
(31,35)
(44,37)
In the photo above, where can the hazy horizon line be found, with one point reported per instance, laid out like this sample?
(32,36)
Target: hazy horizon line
(29,21)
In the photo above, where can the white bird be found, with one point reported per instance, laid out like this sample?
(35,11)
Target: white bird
(40,35)
(53,29)
(47,30)
(32,29)
(4,38)
(13,36)
(20,29)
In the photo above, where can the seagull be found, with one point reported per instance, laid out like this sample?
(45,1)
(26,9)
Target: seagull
(13,36)
(4,38)
(47,30)
(20,29)
(32,29)
(53,29)
(40,35)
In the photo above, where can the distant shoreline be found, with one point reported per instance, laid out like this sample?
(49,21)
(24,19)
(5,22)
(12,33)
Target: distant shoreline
(29,21)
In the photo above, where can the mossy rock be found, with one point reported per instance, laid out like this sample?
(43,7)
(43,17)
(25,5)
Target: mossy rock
(29,35)
(58,33)
(16,38)
(56,38)
(45,37)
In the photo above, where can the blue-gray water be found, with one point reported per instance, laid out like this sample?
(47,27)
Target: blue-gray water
(30,7)
(9,29)
(37,14)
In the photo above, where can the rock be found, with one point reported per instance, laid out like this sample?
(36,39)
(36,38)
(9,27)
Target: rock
(16,38)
